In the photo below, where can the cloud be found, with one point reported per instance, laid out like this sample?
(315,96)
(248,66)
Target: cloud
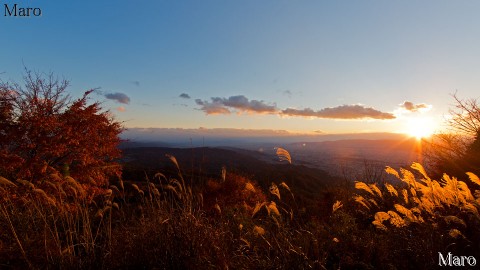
(212,108)
(411,107)
(136,83)
(340,112)
(184,95)
(118,97)
(287,93)
(121,109)
(240,103)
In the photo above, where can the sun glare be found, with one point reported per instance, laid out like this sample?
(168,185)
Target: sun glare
(420,127)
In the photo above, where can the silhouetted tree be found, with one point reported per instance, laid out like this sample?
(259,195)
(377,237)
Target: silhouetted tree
(458,150)
(43,131)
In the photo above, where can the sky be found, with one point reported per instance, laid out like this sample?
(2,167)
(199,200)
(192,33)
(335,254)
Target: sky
(323,67)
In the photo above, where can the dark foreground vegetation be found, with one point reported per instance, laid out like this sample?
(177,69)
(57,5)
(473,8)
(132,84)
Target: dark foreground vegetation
(64,203)
(231,223)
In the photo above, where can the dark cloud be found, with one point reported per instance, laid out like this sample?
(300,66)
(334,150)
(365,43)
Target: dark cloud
(212,108)
(340,112)
(287,93)
(240,103)
(410,106)
(199,102)
(118,97)
(184,95)
(136,83)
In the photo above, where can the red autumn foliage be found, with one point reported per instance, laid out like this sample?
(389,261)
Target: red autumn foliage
(235,191)
(42,131)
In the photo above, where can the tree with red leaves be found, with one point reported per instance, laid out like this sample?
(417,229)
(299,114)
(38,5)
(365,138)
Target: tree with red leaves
(42,131)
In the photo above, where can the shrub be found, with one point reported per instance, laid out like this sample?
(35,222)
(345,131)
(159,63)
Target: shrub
(42,131)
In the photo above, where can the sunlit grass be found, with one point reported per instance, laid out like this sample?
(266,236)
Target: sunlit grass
(231,222)
(421,199)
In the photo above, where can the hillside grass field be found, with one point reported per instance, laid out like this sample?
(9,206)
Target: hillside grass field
(175,220)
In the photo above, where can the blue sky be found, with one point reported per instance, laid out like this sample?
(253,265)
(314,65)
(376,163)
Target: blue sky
(342,60)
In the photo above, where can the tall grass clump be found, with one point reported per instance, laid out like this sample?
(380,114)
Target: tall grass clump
(52,223)
(436,215)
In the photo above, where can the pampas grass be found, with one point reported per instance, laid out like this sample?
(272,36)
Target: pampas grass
(232,223)
(424,200)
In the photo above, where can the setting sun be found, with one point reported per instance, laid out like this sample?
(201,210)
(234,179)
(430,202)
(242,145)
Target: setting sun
(420,127)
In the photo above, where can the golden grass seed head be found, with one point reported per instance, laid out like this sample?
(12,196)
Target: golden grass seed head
(99,214)
(379,225)
(4,181)
(454,233)
(26,183)
(257,230)
(391,189)
(405,195)
(376,189)
(108,192)
(359,199)
(465,191)
(392,171)
(363,186)
(455,220)
(406,212)
(272,208)
(258,207)
(396,220)
(115,188)
(44,196)
(245,242)
(274,190)
(224,173)
(116,206)
(218,209)
(474,178)
(249,187)
(285,186)
(174,160)
(283,155)
(470,208)
(337,205)
(419,168)
(372,201)
(382,216)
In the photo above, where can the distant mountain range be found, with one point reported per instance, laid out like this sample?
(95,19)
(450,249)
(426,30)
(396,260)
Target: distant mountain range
(204,137)
(330,155)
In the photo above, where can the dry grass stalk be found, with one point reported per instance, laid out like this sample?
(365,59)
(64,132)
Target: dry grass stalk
(4,181)
(283,155)
(337,205)
(274,190)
